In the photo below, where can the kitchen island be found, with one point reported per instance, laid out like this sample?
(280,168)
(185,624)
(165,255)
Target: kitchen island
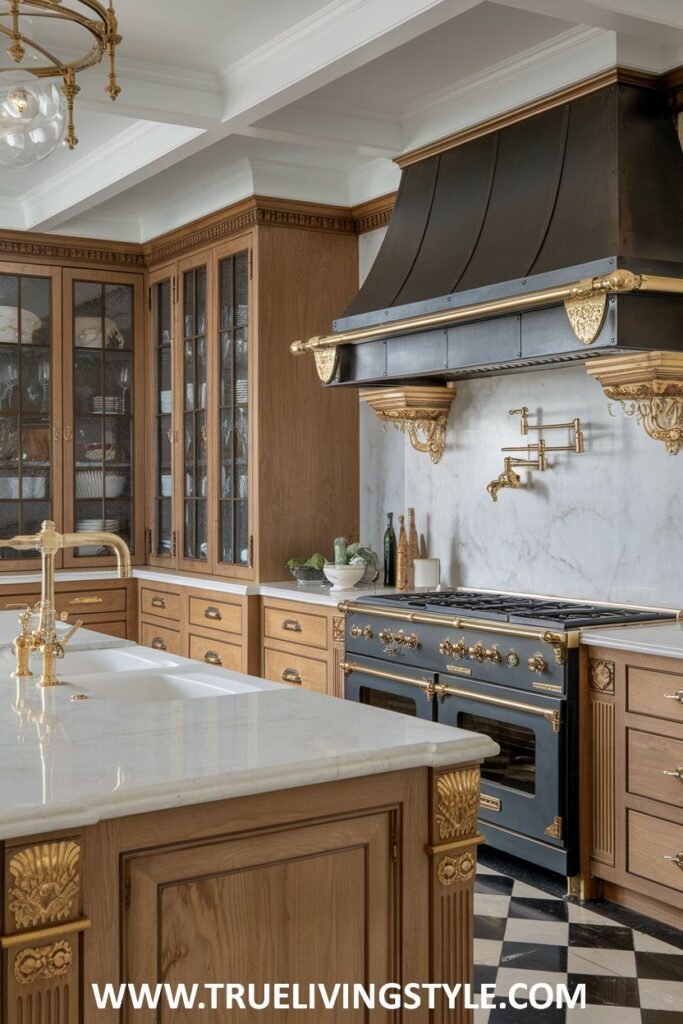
(162,821)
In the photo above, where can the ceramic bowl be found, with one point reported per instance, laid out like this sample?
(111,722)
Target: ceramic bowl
(343,577)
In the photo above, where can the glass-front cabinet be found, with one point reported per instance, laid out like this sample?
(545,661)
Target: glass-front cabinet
(163,432)
(233,552)
(103,403)
(30,460)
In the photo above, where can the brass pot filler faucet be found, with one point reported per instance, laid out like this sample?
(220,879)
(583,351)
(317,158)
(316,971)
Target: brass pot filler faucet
(44,637)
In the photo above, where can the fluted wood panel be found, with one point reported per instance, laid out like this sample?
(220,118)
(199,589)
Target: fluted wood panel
(603,780)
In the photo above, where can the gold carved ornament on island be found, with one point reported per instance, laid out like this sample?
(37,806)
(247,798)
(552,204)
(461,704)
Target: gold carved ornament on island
(43,963)
(45,884)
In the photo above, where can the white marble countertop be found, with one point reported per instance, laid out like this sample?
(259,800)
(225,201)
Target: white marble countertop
(83,640)
(288,590)
(662,639)
(66,764)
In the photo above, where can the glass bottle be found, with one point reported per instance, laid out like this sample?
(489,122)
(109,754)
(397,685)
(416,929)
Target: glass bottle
(390,552)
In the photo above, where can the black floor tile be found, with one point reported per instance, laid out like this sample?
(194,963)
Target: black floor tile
(533,957)
(661,1016)
(598,936)
(538,910)
(489,927)
(509,1015)
(660,966)
(484,974)
(606,989)
(494,885)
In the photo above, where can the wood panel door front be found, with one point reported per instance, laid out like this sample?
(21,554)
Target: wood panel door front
(315,904)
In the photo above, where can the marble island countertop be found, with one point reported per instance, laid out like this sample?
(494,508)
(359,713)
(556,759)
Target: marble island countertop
(663,639)
(68,763)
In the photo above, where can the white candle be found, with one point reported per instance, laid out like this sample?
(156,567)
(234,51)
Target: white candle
(427,573)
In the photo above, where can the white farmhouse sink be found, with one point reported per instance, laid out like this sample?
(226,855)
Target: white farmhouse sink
(151,686)
(122,659)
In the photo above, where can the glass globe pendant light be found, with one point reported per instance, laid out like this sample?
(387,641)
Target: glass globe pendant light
(38,90)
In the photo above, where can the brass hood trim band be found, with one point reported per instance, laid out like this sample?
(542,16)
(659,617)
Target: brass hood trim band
(620,282)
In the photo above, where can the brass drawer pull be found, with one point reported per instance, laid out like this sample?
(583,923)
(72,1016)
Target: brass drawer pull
(86,600)
(212,658)
(678,695)
(158,602)
(677,859)
(292,625)
(159,644)
(213,613)
(677,773)
(290,675)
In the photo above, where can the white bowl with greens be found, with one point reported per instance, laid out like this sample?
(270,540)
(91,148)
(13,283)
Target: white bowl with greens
(344,577)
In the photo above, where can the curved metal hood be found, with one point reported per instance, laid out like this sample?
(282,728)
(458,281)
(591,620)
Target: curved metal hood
(575,192)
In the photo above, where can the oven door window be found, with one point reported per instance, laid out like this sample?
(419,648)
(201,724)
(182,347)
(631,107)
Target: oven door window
(515,766)
(388,701)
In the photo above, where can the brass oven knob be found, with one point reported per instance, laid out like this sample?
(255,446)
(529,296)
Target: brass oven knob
(493,655)
(446,647)
(537,663)
(368,633)
(411,641)
(512,659)
(386,636)
(476,652)
(356,631)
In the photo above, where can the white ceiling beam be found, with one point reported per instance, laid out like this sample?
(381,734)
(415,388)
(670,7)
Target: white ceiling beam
(657,20)
(338,39)
(326,128)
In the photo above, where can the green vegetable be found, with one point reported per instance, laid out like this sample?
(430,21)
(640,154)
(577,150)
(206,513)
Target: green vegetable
(316,561)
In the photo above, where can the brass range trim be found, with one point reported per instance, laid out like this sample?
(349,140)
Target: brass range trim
(514,705)
(561,641)
(349,666)
(618,282)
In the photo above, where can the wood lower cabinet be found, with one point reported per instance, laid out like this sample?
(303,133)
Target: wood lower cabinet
(358,881)
(303,645)
(633,779)
(108,606)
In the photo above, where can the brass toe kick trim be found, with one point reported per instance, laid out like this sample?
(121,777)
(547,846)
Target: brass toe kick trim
(42,934)
(460,844)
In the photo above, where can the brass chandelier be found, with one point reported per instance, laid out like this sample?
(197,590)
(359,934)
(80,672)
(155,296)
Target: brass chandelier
(96,19)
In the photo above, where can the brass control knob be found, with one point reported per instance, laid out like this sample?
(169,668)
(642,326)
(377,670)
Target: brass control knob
(411,641)
(512,659)
(368,633)
(446,647)
(537,663)
(365,631)
(356,631)
(476,653)
(493,655)
(386,636)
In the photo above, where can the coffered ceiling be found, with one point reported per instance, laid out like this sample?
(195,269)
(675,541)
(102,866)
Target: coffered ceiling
(307,100)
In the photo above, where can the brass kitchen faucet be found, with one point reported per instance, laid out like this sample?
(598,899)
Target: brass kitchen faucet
(44,637)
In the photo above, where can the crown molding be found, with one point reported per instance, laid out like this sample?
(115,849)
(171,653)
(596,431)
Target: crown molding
(374,214)
(63,249)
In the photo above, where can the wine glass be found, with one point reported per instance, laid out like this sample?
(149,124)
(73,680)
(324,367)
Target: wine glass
(44,381)
(124,384)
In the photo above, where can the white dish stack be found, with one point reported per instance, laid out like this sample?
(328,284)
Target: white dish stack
(92,483)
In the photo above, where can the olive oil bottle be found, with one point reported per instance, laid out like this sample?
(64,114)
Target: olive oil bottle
(390,552)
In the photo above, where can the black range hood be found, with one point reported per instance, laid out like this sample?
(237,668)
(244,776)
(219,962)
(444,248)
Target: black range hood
(567,196)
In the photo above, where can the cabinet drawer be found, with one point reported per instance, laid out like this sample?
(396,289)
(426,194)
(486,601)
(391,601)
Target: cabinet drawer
(650,840)
(295,669)
(649,757)
(160,638)
(163,604)
(216,615)
(104,601)
(18,602)
(216,652)
(653,693)
(117,629)
(296,627)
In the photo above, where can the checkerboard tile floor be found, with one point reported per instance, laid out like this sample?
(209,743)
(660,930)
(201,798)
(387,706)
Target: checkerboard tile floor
(528,934)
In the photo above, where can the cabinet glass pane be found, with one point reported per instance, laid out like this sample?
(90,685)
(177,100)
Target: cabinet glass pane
(25,406)
(162,336)
(103,410)
(233,427)
(194,430)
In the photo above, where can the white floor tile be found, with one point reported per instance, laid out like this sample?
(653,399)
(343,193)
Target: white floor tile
(621,962)
(487,952)
(483,870)
(555,933)
(603,1015)
(646,944)
(582,915)
(489,905)
(481,1016)
(531,892)
(508,976)
(660,995)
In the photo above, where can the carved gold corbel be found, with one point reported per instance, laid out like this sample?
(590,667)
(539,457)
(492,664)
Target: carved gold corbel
(420,412)
(649,387)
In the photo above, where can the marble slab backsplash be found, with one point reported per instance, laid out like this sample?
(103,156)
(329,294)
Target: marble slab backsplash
(605,525)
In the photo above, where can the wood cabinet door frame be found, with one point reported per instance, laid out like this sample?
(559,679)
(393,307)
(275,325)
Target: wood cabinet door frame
(240,243)
(156,277)
(54,274)
(138,460)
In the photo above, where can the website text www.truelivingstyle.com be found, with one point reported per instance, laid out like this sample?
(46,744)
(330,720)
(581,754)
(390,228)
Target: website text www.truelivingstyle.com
(316,996)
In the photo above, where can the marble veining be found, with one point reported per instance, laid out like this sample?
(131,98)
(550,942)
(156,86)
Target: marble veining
(663,640)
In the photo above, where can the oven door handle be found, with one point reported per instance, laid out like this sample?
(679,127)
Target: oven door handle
(514,705)
(424,684)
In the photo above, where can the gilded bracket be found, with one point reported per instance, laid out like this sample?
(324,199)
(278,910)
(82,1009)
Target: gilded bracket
(420,412)
(327,363)
(586,315)
(649,387)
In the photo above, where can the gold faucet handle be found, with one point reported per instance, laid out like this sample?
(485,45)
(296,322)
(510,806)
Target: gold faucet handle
(25,622)
(69,636)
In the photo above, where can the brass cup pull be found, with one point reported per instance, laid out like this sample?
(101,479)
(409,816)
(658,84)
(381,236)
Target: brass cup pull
(158,602)
(290,675)
(676,858)
(86,600)
(677,773)
(678,695)
(213,658)
(159,644)
(213,613)
(292,626)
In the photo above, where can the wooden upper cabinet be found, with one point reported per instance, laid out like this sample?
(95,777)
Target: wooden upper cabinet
(30,405)
(103,409)
(162,424)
